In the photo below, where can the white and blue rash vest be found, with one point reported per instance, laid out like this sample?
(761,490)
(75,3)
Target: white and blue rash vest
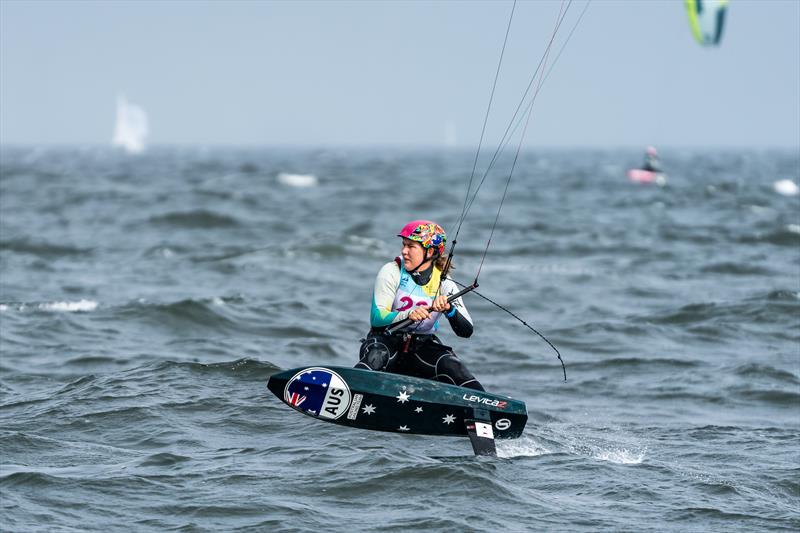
(396,294)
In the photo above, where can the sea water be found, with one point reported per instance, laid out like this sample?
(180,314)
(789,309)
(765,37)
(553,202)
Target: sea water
(146,299)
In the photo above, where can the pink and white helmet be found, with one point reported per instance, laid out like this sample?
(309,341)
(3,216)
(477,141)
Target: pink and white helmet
(428,234)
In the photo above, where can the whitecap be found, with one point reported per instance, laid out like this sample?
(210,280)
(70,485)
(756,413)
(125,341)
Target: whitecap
(786,187)
(365,241)
(369,245)
(71,307)
(793,228)
(3,307)
(298,180)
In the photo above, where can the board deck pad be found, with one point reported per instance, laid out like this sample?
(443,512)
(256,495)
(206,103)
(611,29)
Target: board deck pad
(391,402)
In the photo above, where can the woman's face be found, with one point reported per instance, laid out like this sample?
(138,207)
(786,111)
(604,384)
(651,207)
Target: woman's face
(413,254)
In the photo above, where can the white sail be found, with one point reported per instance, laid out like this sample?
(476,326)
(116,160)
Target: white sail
(130,130)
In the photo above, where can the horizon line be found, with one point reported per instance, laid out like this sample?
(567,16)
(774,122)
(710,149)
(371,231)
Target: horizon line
(396,146)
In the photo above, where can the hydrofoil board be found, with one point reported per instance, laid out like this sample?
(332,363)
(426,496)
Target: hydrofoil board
(381,401)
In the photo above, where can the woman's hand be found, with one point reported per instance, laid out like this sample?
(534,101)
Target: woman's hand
(440,304)
(419,313)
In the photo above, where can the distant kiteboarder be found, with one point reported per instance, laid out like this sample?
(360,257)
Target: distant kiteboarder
(650,171)
(651,161)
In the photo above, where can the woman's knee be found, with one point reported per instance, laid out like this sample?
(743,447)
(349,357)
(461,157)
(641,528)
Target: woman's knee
(450,369)
(374,355)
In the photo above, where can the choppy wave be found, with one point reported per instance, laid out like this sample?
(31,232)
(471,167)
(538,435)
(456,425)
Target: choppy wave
(750,371)
(198,219)
(654,365)
(758,308)
(214,313)
(737,269)
(776,397)
(784,236)
(42,249)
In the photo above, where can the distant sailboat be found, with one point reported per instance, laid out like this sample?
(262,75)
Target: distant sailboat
(130,130)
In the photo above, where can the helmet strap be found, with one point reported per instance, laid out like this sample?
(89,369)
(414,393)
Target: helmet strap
(425,259)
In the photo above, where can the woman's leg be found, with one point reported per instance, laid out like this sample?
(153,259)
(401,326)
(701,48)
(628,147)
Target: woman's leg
(381,353)
(439,362)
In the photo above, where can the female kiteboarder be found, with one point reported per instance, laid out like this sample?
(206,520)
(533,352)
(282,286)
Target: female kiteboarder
(415,286)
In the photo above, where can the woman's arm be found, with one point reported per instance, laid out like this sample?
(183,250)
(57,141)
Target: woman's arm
(383,297)
(458,316)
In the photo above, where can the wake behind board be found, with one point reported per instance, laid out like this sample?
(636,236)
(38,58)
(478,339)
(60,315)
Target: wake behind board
(401,404)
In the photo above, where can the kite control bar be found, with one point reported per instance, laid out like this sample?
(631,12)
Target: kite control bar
(407,322)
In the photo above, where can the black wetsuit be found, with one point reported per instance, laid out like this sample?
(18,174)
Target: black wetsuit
(651,163)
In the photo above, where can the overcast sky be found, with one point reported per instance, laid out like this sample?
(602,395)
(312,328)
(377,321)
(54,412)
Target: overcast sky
(396,73)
